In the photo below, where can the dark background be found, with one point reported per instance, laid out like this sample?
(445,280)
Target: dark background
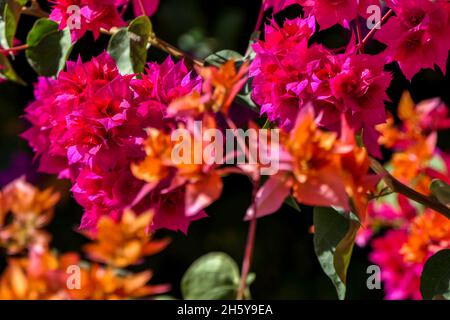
(284,262)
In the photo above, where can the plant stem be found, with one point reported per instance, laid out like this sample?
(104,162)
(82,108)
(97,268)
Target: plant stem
(174,51)
(248,256)
(397,186)
(359,36)
(13,49)
(375,28)
(35,10)
(260,17)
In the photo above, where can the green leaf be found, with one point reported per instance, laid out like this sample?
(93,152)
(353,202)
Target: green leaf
(48,47)
(438,163)
(9,19)
(290,201)
(219,58)
(214,276)
(7,72)
(441,191)
(435,280)
(128,47)
(164,297)
(244,97)
(334,238)
(251,54)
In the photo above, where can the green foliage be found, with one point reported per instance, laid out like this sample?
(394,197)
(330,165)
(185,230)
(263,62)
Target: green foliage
(7,72)
(334,238)
(214,276)
(441,191)
(9,19)
(48,47)
(290,201)
(435,280)
(128,47)
(219,58)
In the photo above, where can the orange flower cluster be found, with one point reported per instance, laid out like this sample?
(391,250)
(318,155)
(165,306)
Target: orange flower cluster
(220,88)
(327,170)
(24,210)
(123,244)
(414,142)
(41,273)
(194,175)
(428,234)
(187,170)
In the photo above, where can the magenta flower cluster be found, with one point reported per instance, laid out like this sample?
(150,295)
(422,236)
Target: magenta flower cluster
(88,126)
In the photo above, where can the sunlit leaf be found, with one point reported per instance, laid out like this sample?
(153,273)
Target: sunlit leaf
(48,47)
(435,280)
(213,276)
(219,58)
(128,47)
(9,19)
(334,239)
(441,191)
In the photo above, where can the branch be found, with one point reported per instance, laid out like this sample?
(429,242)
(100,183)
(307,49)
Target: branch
(397,186)
(375,28)
(260,17)
(174,51)
(359,36)
(13,49)
(248,257)
(35,10)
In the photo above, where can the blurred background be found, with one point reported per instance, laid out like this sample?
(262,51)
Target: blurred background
(284,262)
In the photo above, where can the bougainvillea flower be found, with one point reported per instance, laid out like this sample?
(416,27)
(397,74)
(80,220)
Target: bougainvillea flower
(123,243)
(417,37)
(88,125)
(86,15)
(401,278)
(278,84)
(40,276)
(414,141)
(105,283)
(287,75)
(429,233)
(43,275)
(360,90)
(341,177)
(330,12)
(326,170)
(30,210)
(279,5)
(145,7)
(201,183)
(220,88)
(393,210)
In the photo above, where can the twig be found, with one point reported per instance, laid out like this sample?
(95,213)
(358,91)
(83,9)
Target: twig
(260,17)
(397,186)
(359,36)
(375,28)
(13,49)
(248,255)
(174,51)
(250,245)
(35,10)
